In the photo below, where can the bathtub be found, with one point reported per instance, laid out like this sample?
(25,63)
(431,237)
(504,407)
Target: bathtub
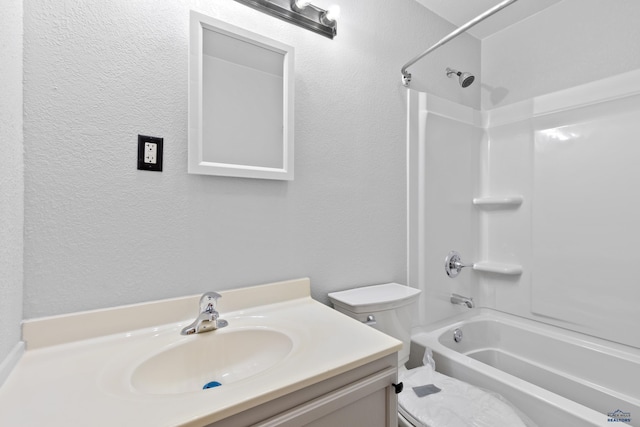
(555,376)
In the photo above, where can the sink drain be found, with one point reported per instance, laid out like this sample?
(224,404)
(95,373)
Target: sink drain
(211,384)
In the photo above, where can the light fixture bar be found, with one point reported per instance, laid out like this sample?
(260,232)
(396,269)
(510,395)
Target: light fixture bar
(309,17)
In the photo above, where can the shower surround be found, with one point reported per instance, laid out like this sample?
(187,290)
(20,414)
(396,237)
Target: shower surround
(569,159)
(542,190)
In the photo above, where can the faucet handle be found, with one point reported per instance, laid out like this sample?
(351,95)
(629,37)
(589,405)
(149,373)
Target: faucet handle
(208,302)
(453,264)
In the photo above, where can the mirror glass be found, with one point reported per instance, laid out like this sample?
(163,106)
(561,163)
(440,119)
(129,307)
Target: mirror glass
(241,102)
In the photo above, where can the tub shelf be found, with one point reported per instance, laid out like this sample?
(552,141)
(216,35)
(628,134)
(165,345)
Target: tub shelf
(499,201)
(498,268)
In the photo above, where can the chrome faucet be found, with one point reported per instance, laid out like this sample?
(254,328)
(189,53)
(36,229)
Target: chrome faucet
(459,299)
(209,318)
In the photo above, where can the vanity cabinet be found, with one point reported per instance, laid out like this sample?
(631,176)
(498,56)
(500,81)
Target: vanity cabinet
(363,396)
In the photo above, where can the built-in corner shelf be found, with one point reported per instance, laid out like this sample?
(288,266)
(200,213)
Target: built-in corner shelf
(499,201)
(498,268)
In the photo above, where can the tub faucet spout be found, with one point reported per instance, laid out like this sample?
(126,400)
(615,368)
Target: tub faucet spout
(461,300)
(209,318)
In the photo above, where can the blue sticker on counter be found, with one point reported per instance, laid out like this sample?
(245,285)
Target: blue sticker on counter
(211,384)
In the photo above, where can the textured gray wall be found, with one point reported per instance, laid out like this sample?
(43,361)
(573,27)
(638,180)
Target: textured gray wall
(568,44)
(11,176)
(100,233)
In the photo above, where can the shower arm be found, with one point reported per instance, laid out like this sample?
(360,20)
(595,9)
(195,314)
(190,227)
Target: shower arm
(406,76)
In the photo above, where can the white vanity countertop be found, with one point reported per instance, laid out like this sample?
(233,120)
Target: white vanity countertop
(70,377)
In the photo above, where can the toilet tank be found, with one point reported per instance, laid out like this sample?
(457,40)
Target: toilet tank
(393,307)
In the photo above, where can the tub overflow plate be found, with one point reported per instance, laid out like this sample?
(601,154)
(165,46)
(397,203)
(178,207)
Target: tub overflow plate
(457,335)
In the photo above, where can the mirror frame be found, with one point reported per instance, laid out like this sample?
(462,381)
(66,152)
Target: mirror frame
(196,163)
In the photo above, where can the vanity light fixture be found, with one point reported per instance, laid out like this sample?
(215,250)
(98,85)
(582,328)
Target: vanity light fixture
(301,13)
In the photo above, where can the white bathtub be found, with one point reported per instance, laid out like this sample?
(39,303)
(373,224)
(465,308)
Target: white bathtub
(555,376)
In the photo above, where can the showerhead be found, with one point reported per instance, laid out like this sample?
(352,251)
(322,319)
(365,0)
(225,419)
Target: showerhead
(465,79)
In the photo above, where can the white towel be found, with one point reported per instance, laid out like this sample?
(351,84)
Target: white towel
(458,404)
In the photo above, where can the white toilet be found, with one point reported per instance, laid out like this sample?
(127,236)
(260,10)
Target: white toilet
(390,309)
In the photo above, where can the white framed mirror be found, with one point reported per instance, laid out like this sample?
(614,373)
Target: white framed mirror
(240,102)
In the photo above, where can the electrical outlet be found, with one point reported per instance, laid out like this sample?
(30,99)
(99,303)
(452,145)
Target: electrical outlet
(150,153)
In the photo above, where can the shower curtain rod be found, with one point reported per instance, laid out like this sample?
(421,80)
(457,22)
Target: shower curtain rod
(406,76)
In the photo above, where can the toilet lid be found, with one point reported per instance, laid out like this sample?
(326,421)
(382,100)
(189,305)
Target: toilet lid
(458,404)
(374,298)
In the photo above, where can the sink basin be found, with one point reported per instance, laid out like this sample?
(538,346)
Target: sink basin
(223,356)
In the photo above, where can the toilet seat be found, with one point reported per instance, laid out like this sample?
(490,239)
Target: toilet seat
(458,404)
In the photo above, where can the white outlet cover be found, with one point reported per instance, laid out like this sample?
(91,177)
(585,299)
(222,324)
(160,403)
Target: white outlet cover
(150,153)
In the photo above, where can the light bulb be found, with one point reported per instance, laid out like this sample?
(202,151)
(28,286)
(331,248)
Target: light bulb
(333,13)
(301,4)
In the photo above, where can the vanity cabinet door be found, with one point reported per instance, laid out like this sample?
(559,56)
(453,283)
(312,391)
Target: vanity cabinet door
(370,402)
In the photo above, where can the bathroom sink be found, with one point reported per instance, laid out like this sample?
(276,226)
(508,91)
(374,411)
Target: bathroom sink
(211,359)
